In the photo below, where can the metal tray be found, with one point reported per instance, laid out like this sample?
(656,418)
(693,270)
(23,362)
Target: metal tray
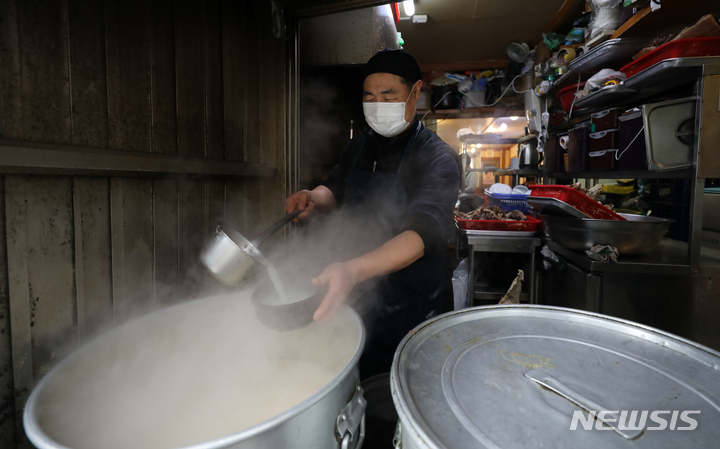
(553,206)
(610,54)
(500,233)
(603,97)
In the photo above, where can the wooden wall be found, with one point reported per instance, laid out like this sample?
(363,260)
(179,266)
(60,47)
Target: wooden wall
(193,78)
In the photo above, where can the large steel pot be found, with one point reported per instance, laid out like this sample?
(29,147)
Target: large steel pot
(516,376)
(192,355)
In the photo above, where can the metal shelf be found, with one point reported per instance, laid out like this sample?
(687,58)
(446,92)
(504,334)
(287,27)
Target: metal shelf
(610,54)
(670,258)
(659,78)
(684,173)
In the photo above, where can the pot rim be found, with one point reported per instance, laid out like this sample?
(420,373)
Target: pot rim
(40,439)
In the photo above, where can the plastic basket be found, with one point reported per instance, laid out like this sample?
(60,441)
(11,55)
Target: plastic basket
(578,200)
(682,48)
(530,225)
(566,95)
(508,201)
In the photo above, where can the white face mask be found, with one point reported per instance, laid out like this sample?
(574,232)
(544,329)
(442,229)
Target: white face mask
(386,118)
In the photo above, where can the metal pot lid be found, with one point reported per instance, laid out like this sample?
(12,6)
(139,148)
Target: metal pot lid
(513,377)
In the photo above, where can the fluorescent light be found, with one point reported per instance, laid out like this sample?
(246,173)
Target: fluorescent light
(409,7)
(503,127)
(514,117)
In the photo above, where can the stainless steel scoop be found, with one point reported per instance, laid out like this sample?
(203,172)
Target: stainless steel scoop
(229,255)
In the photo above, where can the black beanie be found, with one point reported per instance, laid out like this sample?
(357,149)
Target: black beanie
(397,62)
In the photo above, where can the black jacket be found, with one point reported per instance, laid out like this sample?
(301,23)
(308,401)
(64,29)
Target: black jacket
(431,176)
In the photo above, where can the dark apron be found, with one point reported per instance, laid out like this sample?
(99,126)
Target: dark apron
(403,299)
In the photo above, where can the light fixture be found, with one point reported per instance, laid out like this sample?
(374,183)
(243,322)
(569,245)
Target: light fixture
(514,117)
(409,7)
(472,150)
(503,127)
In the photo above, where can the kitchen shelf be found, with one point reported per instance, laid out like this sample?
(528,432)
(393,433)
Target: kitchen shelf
(612,54)
(669,258)
(519,172)
(506,107)
(685,173)
(661,77)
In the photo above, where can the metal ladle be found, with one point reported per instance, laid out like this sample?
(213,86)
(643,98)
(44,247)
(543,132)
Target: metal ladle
(229,255)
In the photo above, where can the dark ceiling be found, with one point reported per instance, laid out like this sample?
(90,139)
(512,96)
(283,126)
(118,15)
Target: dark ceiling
(474,30)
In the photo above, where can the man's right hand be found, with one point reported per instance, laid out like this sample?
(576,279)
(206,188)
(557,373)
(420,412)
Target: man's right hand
(301,200)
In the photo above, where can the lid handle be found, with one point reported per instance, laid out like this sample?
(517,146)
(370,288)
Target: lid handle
(543,379)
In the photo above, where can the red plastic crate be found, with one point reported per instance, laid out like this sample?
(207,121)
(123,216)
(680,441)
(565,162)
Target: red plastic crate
(497,225)
(578,200)
(681,48)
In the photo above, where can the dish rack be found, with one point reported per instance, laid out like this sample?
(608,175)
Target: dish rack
(529,225)
(681,48)
(576,199)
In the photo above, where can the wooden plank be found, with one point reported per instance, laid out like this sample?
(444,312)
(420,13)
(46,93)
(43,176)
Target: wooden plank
(630,22)
(87,73)
(19,297)
(117,242)
(10,78)
(560,16)
(255,220)
(236,204)
(162,60)
(165,210)
(190,77)
(45,87)
(215,205)
(251,28)
(462,66)
(192,231)
(7,394)
(214,113)
(50,270)
(93,259)
(138,248)
(234,79)
(128,69)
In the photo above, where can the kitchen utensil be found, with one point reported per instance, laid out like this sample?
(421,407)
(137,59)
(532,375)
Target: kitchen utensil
(528,154)
(463,379)
(302,302)
(229,255)
(195,374)
(555,207)
(499,187)
(637,234)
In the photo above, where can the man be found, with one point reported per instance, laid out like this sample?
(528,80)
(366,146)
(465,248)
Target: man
(401,180)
